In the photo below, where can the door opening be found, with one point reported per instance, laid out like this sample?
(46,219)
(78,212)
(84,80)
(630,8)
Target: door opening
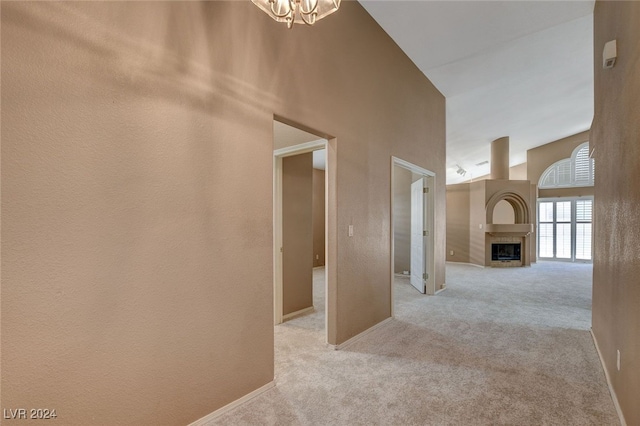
(412,214)
(301,213)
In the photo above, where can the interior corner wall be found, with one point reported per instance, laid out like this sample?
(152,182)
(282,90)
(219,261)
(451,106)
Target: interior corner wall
(616,288)
(458,221)
(297,233)
(318,217)
(518,172)
(137,209)
(533,238)
(401,219)
(477,223)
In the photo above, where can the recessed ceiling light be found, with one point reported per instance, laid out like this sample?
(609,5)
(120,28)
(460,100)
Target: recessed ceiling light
(482,163)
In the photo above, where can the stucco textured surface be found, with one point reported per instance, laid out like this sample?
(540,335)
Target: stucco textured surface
(137,143)
(615,137)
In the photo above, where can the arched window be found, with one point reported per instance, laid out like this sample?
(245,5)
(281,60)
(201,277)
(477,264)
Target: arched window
(575,171)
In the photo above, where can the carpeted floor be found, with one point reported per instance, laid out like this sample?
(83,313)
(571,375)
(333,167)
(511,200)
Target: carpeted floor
(498,347)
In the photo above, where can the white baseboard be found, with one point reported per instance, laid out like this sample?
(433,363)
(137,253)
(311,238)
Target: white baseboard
(606,374)
(361,335)
(465,263)
(220,411)
(443,288)
(298,313)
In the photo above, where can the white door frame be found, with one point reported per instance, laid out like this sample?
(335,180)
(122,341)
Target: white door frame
(429,221)
(278,155)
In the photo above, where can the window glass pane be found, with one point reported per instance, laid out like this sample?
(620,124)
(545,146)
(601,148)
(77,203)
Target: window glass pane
(563,240)
(563,211)
(546,212)
(545,243)
(583,241)
(583,210)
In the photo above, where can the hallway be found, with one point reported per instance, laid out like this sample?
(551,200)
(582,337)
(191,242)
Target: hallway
(499,346)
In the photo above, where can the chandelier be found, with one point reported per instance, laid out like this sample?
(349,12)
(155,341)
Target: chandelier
(298,11)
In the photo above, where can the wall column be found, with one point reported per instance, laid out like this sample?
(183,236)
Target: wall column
(500,158)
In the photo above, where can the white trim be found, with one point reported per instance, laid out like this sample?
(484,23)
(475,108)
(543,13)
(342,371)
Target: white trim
(298,313)
(300,148)
(606,375)
(444,287)
(399,275)
(277,240)
(464,263)
(407,165)
(220,411)
(359,336)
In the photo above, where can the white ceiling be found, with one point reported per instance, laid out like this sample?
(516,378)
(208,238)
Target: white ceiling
(522,69)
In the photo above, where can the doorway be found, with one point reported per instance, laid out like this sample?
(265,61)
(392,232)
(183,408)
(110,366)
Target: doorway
(412,224)
(302,212)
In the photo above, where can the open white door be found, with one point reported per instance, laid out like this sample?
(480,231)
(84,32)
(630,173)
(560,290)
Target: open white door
(418,235)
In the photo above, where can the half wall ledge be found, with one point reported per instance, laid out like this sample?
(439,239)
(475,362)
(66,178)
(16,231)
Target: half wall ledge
(517,229)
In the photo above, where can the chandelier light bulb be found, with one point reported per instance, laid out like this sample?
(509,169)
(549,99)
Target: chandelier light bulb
(297,11)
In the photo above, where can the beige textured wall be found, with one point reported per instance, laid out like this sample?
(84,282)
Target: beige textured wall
(477,222)
(402,219)
(458,223)
(518,172)
(616,266)
(503,213)
(318,218)
(136,252)
(297,233)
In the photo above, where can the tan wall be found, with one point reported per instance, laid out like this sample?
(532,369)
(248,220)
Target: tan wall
(616,265)
(477,218)
(518,172)
(402,219)
(458,223)
(503,213)
(137,254)
(297,233)
(318,217)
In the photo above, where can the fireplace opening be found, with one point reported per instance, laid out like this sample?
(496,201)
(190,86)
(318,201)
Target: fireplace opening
(505,251)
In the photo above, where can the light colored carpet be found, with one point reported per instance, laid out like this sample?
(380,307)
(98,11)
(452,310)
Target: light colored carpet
(500,346)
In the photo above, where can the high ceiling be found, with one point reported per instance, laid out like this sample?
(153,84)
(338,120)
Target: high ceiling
(522,69)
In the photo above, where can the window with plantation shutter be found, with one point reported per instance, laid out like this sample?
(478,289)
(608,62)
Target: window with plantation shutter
(582,167)
(565,229)
(570,172)
(584,212)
